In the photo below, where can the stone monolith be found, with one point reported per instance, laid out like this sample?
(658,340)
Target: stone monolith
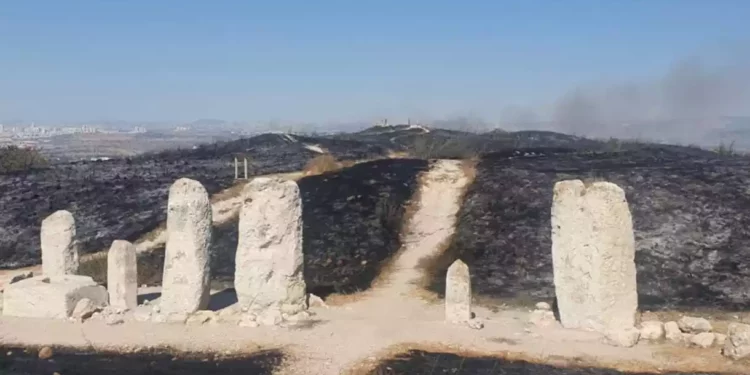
(269,260)
(122,275)
(458,293)
(593,256)
(185,284)
(59,246)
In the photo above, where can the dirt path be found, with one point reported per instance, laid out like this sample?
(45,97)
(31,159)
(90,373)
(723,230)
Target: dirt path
(351,337)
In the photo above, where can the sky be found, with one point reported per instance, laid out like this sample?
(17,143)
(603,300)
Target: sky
(323,61)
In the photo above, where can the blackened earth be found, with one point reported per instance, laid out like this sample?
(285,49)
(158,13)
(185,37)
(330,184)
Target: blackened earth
(691,213)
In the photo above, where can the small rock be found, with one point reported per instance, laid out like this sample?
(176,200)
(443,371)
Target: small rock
(703,340)
(9,353)
(198,319)
(689,324)
(542,318)
(84,309)
(475,324)
(248,320)
(624,337)
(55,373)
(672,332)
(21,276)
(720,339)
(313,300)
(113,319)
(157,309)
(737,344)
(146,302)
(302,315)
(543,306)
(652,330)
(46,353)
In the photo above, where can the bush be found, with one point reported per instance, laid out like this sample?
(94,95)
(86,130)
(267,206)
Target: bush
(15,159)
(322,164)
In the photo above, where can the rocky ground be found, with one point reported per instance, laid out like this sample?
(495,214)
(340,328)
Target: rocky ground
(691,213)
(125,198)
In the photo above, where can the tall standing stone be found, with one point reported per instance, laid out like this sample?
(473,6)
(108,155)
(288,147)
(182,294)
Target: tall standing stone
(122,275)
(269,261)
(593,256)
(59,246)
(458,293)
(185,284)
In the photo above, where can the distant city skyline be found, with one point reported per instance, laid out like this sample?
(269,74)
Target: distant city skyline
(578,63)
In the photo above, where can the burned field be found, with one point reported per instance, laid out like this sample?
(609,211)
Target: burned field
(17,361)
(691,216)
(352,222)
(125,198)
(419,362)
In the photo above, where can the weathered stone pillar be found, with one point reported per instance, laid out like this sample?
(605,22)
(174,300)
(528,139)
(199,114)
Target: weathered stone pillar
(59,246)
(185,284)
(236,169)
(269,261)
(593,256)
(122,275)
(245,160)
(458,293)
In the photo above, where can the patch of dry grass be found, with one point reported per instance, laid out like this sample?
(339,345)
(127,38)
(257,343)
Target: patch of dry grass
(322,164)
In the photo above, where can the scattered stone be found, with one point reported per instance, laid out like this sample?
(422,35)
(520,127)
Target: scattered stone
(543,306)
(475,324)
(46,353)
(689,324)
(652,330)
(84,309)
(703,340)
(122,275)
(593,257)
(146,302)
(201,317)
(313,300)
(56,299)
(113,320)
(185,285)
(21,276)
(625,337)
(59,246)
(300,316)
(542,318)
(672,332)
(458,293)
(737,344)
(248,321)
(269,260)
(720,339)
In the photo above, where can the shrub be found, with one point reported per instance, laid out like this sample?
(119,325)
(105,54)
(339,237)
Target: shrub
(14,159)
(322,164)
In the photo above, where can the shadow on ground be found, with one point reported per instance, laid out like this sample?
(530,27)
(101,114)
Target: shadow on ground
(418,362)
(162,363)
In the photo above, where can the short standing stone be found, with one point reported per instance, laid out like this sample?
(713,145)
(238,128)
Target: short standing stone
(458,293)
(652,330)
(185,285)
(122,275)
(269,260)
(59,246)
(737,343)
(703,340)
(593,254)
(673,333)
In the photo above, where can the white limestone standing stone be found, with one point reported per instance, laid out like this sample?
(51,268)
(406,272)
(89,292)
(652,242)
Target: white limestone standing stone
(458,293)
(269,262)
(593,256)
(185,284)
(122,275)
(59,246)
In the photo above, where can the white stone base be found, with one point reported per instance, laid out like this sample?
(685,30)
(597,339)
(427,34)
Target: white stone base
(51,297)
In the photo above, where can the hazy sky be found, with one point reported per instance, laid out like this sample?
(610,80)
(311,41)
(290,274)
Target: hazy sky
(78,60)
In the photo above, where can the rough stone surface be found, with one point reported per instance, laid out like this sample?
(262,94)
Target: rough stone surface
(84,309)
(122,275)
(593,255)
(543,306)
(51,297)
(689,324)
(59,247)
(458,293)
(542,318)
(672,332)
(142,313)
(45,353)
(720,339)
(475,324)
(113,319)
(703,340)
(624,337)
(270,317)
(737,343)
(185,285)
(269,260)
(652,330)
(21,276)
